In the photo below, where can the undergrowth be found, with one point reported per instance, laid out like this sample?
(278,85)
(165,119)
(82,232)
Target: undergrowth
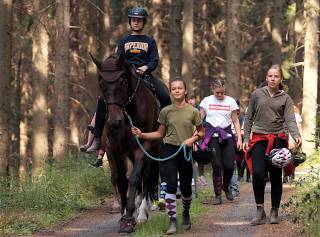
(60,191)
(306,204)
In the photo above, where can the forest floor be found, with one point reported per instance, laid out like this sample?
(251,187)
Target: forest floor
(231,219)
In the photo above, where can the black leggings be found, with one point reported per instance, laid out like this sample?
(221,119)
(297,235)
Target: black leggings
(169,171)
(224,159)
(101,112)
(161,90)
(260,168)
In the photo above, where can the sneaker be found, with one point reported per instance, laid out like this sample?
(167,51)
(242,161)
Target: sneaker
(96,144)
(228,193)
(84,148)
(97,163)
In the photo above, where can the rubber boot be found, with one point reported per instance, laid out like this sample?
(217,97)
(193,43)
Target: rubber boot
(260,216)
(274,219)
(173,226)
(186,222)
(96,144)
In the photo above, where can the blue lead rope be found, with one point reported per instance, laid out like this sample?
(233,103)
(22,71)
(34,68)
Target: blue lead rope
(188,157)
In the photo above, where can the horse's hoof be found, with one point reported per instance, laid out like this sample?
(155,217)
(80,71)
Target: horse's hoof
(127,225)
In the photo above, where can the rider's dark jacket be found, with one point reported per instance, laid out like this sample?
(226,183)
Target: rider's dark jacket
(139,50)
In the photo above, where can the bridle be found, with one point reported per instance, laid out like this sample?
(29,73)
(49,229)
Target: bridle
(130,98)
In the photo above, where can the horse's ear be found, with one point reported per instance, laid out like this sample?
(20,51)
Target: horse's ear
(96,61)
(121,60)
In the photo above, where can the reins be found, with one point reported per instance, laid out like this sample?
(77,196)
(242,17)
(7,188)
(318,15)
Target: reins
(187,157)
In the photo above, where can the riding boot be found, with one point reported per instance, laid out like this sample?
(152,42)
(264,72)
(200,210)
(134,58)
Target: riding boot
(96,144)
(274,219)
(186,222)
(217,186)
(173,226)
(186,203)
(226,187)
(260,216)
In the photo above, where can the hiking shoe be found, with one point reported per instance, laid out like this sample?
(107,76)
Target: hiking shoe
(260,217)
(96,144)
(274,219)
(186,223)
(217,200)
(97,163)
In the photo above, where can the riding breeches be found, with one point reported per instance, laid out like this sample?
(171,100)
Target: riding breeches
(169,170)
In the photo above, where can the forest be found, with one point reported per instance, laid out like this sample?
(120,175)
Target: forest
(48,82)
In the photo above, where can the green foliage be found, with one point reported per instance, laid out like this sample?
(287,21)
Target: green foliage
(306,204)
(59,191)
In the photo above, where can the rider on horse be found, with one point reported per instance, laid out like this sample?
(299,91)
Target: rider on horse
(140,51)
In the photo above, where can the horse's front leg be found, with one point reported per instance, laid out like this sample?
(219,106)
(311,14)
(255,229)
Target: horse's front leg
(135,178)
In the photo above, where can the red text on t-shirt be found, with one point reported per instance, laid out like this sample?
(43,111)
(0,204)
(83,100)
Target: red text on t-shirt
(219,107)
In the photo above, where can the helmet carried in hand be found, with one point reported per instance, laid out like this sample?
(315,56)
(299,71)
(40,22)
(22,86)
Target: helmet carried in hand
(280,157)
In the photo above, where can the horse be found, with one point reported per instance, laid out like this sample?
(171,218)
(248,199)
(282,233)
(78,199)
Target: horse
(128,99)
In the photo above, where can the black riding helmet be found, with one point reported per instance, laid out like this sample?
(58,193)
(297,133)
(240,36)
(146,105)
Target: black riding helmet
(138,12)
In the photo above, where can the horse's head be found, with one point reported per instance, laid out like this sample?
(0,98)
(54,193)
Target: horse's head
(114,86)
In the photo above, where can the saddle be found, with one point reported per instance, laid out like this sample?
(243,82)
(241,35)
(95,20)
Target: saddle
(146,79)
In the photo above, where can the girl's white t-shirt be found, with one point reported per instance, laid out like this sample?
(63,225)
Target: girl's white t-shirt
(218,112)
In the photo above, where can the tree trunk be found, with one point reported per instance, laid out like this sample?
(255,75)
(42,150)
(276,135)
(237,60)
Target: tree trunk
(61,114)
(164,64)
(187,44)
(233,49)
(276,31)
(40,51)
(204,51)
(175,40)
(5,78)
(295,81)
(310,76)
(105,30)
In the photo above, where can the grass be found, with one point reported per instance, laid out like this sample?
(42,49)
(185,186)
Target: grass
(306,203)
(159,223)
(60,191)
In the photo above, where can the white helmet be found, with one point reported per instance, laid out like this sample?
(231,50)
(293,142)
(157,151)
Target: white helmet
(280,157)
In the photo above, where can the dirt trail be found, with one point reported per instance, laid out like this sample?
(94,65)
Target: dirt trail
(231,219)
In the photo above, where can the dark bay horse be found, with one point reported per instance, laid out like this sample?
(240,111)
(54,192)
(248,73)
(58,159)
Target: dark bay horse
(125,93)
